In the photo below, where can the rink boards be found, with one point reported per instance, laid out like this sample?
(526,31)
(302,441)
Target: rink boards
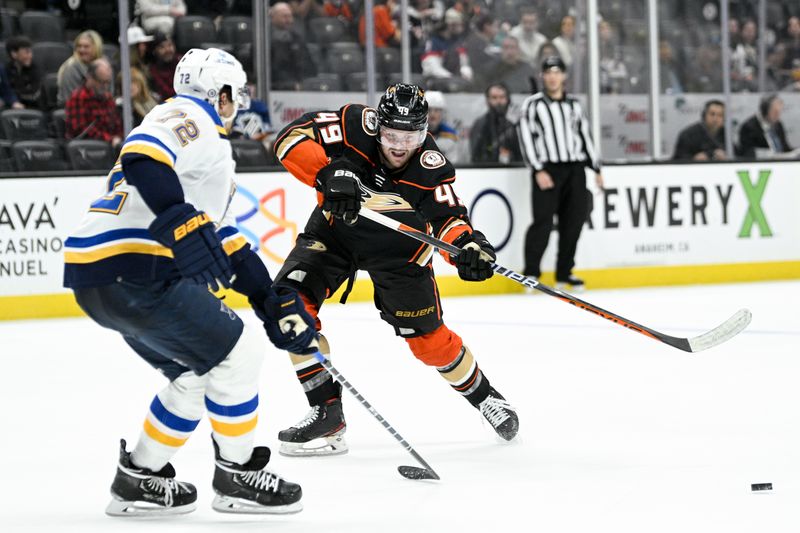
(653,225)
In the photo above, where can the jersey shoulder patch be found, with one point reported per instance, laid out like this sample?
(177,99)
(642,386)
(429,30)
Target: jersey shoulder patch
(369,121)
(432,159)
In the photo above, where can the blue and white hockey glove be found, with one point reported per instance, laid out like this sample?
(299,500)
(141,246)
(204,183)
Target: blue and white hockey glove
(288,324)
(339,183)
(477,254)
(195,245)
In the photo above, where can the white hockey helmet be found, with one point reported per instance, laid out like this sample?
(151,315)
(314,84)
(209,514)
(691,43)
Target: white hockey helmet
(203,74)
(435,99)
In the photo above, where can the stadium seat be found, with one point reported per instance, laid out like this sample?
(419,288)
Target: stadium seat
(50,56)
(327,30)
(249,153)
(236,30)
(6,158)
(315,52)
(90,154)
(50,90)
(388,60)
(41,26)
(9,23)
(448,85)
(38,156)
(344,59)
(357,82)
(397,77)
(227,47)
(58,124)
(193,31)
(23,124)
(323,83)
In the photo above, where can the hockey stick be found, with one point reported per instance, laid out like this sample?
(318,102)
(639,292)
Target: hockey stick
(408,472)
(725,331)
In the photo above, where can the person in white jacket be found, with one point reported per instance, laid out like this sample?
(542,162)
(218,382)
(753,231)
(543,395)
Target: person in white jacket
(159,15)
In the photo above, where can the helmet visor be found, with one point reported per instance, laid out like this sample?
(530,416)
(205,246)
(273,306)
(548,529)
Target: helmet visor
(401,139)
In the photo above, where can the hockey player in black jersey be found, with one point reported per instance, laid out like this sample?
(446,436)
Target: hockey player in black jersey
(384,159)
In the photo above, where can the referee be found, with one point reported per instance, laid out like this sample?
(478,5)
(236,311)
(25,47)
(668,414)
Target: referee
(554,134)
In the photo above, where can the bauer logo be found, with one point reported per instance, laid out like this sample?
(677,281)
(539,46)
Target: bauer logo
(416,313)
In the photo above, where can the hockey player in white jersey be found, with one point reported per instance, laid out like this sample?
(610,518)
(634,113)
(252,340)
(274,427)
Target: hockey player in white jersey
(141,263)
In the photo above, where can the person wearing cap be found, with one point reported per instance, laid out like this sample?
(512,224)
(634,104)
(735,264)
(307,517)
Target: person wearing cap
(445,55)
(163,65)
(445,135)
(556,141)
(138,42)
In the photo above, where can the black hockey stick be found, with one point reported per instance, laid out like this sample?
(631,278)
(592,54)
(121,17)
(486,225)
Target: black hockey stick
(409,472)
(725,331)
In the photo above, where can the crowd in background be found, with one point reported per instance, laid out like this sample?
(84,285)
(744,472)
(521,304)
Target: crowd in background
(457,46)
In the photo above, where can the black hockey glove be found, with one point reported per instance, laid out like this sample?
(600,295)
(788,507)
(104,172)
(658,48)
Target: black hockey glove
(195,245)
(476,255)
(288,324)
(339,183)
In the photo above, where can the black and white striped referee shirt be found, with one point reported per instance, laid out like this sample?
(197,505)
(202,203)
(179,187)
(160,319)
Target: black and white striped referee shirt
(555,131)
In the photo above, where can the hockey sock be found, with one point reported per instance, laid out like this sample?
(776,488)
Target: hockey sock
(465,377)
(232,397)
(317,383)
(174,413)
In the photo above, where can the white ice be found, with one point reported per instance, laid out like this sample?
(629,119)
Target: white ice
(618,432)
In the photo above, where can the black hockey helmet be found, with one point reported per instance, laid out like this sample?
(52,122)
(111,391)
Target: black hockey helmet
(403,107)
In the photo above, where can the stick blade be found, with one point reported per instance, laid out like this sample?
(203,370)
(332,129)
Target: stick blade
(725,331)
(415,472)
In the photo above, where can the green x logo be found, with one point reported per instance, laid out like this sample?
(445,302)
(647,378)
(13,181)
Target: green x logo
(754,194)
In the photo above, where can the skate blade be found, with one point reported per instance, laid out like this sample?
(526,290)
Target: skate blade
(333,445)
(228,504)
(145,509)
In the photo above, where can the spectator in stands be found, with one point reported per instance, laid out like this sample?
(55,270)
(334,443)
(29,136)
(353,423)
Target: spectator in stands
(744,59)
(91,112)
(564,43)
(791,61)
(762,136)
(386,33)
(23,74)
(707,70)
(159,15)
(302,12)
(493,138)
(163,64)
(445,55)
(704,140)
(445,135)
(613,72)
(470,9)
(481,48)
(88,47)
(291,60)
(423,17)
(142,100)
(528,36)
(510,69)
(343,10)
(672,77)
(139,43)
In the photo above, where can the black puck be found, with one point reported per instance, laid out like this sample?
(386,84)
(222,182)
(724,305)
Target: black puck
(760,486)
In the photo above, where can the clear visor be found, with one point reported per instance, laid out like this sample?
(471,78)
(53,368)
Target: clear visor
(401,139)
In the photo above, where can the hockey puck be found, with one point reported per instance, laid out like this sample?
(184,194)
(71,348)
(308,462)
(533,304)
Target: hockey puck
(757,487)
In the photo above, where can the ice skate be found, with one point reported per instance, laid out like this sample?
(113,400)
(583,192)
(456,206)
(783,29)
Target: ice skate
(500,414)
(142,492)
(251,488)
(571,283)
(321,432)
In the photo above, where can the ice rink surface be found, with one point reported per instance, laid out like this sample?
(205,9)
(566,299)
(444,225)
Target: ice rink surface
(618,432)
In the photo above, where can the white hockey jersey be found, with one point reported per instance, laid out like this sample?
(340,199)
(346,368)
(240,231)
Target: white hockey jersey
(113,241)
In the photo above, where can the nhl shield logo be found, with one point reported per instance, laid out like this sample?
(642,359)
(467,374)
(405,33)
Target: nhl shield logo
(432,159)
(369,121)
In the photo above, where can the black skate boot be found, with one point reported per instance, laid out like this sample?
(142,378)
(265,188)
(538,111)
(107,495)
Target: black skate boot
(500,414)
(572,283)
(251,488)
(139,491)
(321,432)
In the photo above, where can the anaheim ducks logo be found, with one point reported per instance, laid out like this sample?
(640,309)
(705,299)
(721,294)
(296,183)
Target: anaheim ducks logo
(383,201)
(432,159)
(369,121)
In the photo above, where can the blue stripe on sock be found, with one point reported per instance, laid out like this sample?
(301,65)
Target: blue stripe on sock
(232,410)
(170,420)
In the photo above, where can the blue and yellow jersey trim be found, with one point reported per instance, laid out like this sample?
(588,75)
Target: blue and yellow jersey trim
(83,250)
(142,143)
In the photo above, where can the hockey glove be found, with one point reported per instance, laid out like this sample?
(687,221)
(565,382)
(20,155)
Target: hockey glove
(195,245)
(474,261)
(339,183)
(288,324)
